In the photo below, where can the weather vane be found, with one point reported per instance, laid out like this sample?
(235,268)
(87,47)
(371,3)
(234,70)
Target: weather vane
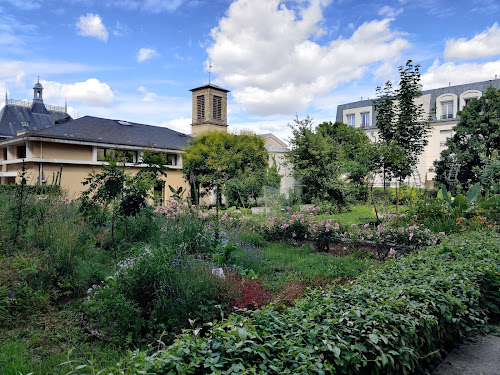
(209,71)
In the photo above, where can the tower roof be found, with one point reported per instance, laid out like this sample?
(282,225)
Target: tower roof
(209,86)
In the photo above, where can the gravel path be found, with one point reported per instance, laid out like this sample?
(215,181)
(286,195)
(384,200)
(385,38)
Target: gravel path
(475,358)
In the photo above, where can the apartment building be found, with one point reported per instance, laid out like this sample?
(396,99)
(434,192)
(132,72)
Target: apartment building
(441,105)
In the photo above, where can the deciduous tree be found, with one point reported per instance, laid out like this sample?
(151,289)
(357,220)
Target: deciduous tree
(476,138)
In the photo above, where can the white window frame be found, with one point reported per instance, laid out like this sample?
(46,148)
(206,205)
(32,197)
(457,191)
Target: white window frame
(448,113)
(351,120)
(365,119)
(441,101)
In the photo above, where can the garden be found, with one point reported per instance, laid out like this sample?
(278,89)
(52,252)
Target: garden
(347,278)
(180,289)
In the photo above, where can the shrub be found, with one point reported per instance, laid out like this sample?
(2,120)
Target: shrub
(168,289)
(393,320)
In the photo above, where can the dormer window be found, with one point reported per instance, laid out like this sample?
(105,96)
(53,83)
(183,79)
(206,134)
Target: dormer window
(446,110)
(467,96)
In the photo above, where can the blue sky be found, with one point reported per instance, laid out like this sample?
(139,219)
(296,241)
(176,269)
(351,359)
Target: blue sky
(137,59)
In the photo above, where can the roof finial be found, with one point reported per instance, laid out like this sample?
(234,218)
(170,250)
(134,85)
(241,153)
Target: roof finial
(6,97)
(209,71)
(65,105)
(38,79)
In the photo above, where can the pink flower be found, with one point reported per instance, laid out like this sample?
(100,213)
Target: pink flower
(367,225)
(392,252)
(441,233)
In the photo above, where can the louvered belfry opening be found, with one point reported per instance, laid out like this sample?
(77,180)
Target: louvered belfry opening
(217,108)
(200,102)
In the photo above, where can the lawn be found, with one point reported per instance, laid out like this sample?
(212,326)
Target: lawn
(282,263)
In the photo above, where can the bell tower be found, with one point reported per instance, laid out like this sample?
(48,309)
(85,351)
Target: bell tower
(38,92)
(209,109)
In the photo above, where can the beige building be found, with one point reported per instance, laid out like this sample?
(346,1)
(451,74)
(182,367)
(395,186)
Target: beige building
(67,150)
(54,147)
(442,105)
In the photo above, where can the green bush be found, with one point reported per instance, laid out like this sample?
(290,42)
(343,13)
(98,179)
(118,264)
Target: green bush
(166,287)
(393,320)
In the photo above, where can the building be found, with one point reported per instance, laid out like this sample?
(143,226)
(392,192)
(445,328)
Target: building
(55,147)
(442,105)
(277,150)
(22,115)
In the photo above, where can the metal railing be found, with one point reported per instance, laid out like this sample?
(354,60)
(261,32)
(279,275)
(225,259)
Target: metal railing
(28,104)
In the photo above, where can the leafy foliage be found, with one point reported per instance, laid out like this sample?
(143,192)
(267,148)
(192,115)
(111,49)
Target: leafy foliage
(324,157)
(392,320)
(476,138)
(218,161)
(400,122)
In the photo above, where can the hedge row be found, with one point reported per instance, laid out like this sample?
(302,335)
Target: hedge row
(393,320)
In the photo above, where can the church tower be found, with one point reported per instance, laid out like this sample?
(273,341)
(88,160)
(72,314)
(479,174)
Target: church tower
(209,109)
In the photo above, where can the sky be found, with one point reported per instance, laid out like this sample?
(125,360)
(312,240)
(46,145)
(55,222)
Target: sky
(136,60)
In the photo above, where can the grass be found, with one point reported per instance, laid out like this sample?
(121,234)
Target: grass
(42,343)
(282,263)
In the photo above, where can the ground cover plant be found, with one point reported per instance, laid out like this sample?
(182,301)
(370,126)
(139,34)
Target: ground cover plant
(393,320)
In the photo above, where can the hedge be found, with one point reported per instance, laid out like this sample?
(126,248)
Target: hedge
(393,320)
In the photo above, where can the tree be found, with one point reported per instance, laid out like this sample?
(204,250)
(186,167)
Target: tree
(325,157)
(400,122)
(477,136)
(216,161)
(126,195)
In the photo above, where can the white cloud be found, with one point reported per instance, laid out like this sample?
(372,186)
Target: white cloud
(182,124)
(263,52)
(120,29)
(148,96)
(387,11)
(485,44)
(145,54)
(92,92)
(91,25)
(441,75)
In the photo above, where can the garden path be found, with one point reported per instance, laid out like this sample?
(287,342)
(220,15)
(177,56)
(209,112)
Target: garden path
(475,358)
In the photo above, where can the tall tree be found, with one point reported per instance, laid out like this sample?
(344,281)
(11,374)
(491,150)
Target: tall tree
(216,159)
(477,136)
(401,123)
(325,157)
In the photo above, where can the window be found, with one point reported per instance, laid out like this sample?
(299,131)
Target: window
(217,108)
(21,152)
(200,101)
(365,119)
(467,100)
(4,153)
(444,135)
(446,110)
(104,153)
(168,159)
(351,120)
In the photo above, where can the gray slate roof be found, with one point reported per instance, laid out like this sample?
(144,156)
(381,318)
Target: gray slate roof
(11,117)
(102,130)
(209,86)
